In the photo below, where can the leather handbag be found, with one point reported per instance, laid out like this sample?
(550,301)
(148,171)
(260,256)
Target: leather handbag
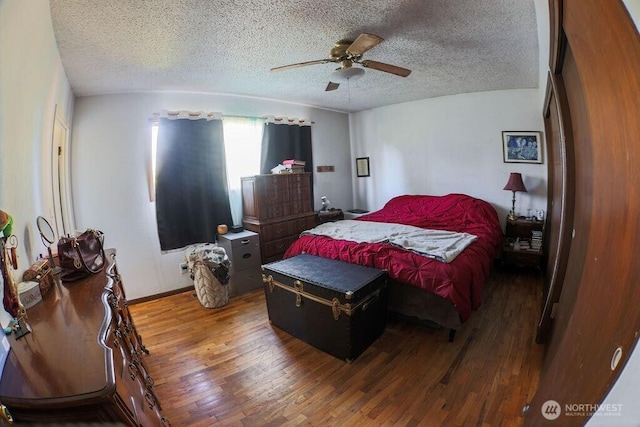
(81,256)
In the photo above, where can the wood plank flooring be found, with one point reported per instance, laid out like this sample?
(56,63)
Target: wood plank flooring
(229,366)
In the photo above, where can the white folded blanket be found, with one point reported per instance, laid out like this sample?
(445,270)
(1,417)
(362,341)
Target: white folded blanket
(438,244)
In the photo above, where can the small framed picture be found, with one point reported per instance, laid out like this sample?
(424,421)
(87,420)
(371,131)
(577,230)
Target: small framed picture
(522,147)
(362,166)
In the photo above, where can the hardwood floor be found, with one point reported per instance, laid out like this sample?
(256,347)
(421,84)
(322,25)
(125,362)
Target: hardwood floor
(229,366)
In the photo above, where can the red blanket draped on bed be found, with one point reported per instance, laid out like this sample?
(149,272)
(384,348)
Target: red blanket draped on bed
(460,281)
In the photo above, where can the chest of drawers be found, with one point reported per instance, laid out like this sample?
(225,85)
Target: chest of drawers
(278,208)
(243,250)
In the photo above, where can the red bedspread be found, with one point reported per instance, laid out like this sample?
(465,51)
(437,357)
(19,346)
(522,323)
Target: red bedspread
(460,281)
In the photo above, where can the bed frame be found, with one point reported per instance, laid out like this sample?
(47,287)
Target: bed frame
(413,303)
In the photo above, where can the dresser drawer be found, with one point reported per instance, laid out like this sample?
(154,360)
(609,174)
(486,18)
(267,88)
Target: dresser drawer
(522,258)
(303,224)
(278,231)
(275,249)
(246,281)
(243,249)
(245,257)
(243,240)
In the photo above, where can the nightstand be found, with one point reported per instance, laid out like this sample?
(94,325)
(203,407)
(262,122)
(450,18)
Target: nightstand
(329,215)
(243,250)
(522,245)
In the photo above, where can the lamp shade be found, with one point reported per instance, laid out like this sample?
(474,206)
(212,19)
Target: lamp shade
(344,74)
(515,183)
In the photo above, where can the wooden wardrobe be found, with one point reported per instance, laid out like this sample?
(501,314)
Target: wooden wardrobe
(592,288)
(278,207)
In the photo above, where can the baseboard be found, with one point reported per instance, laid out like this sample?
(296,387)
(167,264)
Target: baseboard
(162,295)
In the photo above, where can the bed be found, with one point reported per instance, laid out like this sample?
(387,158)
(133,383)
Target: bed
(423,286)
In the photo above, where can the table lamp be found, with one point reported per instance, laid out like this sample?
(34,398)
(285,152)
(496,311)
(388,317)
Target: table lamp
(514,184)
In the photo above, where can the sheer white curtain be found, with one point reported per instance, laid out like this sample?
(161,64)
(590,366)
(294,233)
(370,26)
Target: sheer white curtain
(242,139)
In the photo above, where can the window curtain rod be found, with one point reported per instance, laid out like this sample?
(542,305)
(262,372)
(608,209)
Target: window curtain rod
(196,115)
(288,120)
(184,114)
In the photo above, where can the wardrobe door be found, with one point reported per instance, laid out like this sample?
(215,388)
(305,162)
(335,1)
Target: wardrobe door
(561,185)
(597,321)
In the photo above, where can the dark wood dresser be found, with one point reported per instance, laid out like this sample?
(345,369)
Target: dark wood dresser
(83,360)
(278,208)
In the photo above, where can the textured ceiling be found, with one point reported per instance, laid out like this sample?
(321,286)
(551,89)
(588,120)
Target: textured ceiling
(229,46)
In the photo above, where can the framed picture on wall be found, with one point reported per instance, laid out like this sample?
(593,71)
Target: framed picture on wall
(522,147)
(362,166)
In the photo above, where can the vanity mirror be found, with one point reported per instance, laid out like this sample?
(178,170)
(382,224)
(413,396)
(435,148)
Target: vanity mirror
(48,237)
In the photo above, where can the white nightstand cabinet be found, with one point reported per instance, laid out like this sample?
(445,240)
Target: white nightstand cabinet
(243,250)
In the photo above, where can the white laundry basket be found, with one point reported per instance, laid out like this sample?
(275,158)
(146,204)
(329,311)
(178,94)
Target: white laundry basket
(209,267)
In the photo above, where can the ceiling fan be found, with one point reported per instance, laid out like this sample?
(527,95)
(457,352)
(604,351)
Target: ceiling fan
(347,53)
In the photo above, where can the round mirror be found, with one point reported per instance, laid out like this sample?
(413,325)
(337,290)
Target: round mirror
(46,232)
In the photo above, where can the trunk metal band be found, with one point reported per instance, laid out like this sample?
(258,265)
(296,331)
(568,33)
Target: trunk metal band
(336,306)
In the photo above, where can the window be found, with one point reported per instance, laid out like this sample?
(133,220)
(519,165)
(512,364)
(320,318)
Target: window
(151,172)
(242,140)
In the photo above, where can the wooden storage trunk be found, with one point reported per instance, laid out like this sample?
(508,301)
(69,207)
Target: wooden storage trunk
(338,307)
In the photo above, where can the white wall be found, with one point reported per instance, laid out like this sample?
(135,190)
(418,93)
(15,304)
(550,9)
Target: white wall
(32,82)
(544,38)
(451,144)
(110,144)
(633,6)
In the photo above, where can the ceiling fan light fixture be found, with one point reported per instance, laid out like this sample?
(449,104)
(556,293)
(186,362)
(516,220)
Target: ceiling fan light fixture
(346,74)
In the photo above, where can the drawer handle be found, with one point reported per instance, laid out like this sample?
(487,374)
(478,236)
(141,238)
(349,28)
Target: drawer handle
(299,289)
(117,336)
(245,242)
(133,370)
(135,357)
(246,256)
(123,330)
(371,299)
(113,301)
(5,415)
(150,400)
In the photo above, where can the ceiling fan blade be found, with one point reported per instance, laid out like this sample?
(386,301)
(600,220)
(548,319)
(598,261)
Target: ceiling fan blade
(363,43)
(387,68)
(332,86)
(301,64)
